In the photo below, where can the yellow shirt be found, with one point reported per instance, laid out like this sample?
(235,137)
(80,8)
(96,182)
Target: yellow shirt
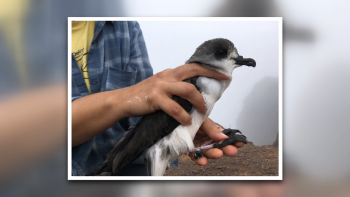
(82,34)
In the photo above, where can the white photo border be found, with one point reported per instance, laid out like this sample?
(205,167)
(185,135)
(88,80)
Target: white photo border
(280,96)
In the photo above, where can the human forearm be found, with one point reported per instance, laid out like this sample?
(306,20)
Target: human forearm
(32,127)
(94,114)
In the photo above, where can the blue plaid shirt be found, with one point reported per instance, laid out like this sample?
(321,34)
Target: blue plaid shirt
(117,58)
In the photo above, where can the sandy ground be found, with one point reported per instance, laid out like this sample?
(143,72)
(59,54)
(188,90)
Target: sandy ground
(251,161)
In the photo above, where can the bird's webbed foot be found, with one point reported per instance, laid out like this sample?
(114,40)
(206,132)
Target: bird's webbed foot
(234,136)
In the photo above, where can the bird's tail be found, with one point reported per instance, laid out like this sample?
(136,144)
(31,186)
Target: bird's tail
(120,156)
(125,152)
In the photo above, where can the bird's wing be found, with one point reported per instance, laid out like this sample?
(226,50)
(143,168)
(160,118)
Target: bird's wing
(148,131)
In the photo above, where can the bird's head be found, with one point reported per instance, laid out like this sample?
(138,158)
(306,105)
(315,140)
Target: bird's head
(221,55)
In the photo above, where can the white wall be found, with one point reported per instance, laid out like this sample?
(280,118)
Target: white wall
(170,44)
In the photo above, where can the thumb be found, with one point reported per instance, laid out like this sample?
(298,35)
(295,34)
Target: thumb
(213,130)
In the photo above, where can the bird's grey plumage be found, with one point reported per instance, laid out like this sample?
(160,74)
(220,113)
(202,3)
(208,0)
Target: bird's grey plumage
(158,136)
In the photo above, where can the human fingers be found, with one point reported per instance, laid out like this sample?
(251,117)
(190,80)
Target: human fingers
(239,144)
(230,150)
(202,161)
(187,91)
(174,110)
(213,130)
(213,153)
(207,154)
(191,70)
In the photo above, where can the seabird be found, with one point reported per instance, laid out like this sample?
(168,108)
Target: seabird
(159,138)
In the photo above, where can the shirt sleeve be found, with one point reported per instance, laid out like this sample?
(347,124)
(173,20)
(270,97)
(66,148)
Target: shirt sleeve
(76,169)
(138,53)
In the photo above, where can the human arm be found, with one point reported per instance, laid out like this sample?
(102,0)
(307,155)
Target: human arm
(107,108)
(32,129)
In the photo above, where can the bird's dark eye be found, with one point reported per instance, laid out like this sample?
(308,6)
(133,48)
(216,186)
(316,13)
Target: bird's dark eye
(220,53)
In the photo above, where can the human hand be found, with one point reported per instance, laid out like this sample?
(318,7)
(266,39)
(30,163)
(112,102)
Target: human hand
(155,93)
(210,130)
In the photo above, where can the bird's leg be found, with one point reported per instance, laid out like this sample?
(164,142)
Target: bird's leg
(209,142)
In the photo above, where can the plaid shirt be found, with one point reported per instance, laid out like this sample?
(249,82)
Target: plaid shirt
(117,58)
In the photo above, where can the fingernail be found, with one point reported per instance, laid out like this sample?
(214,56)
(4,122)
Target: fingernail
(223,135)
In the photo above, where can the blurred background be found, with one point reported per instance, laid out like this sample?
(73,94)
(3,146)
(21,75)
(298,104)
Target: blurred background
(33,97)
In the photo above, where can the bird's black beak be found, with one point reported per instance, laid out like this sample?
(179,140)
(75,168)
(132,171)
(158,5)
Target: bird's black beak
(245,61)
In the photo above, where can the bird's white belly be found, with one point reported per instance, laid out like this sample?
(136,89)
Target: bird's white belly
(181,139)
